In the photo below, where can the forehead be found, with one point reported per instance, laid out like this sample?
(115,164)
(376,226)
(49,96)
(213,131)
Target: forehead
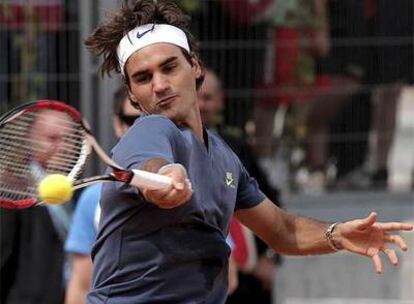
(52,117)
(153,54)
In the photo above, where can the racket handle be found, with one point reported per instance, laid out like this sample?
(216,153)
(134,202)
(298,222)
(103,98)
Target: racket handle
(150,180)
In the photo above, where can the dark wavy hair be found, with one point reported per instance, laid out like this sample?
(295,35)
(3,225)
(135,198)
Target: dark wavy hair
(106,37)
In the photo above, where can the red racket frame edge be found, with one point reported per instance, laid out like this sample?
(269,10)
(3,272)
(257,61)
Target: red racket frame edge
(54,105)
(118,173)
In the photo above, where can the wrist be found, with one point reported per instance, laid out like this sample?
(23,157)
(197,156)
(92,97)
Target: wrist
(330,235)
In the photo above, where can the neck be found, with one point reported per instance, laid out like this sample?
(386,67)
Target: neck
(193,122)
(196,125)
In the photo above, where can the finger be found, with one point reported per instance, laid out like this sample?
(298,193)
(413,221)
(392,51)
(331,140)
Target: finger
(188,197)
(392,226)
(377,263)
(396,239)
(157,192)
(179,185)
(190,186)
(177,197)
(368,221)
(172,202)
(168,205)
(391,255)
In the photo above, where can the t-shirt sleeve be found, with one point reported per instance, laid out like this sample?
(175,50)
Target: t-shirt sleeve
(248,194)
(229,241)
(82,232)
(152,136)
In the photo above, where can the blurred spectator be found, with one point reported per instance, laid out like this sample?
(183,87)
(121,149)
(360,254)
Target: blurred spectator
(32,262)
(338,83)
(385,38)
(390,68)
(233,37)
(254,287)
(295,26)
(85,221)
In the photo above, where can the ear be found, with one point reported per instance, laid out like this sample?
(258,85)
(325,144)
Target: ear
(196,66)
(131,96)
(134,101)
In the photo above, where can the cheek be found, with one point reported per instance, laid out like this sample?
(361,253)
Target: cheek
(142,95)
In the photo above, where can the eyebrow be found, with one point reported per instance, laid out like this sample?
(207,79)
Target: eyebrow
(164,63)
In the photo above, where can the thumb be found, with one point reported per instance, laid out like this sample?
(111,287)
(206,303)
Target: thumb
(368,221)
(178,174)
(179,185)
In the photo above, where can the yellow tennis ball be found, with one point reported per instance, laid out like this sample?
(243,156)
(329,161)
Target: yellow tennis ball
(55,189)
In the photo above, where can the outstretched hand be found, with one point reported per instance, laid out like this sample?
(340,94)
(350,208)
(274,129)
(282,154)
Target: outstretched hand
(369,237)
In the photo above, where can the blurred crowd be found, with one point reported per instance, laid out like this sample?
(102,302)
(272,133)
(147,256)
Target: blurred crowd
(305,91)
(313,84)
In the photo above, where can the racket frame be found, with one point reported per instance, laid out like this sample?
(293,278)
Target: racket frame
(137,178)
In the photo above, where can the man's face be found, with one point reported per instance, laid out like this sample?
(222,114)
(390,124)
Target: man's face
(210,100)
(162,81)
(48,132)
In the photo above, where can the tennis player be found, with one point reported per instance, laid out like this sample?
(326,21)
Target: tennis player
(168,246)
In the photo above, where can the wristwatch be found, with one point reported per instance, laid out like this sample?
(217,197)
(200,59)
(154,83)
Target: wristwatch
(329,237)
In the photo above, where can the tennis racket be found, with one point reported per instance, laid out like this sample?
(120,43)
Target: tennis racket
(50,137)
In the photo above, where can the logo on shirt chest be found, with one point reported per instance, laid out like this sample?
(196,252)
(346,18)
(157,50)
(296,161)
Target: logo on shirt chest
(229,180)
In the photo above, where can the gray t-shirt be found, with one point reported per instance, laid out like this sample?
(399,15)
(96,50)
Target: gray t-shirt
(144,254)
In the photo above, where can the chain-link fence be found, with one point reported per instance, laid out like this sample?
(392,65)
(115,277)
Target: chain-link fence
(331,74)
(38,51)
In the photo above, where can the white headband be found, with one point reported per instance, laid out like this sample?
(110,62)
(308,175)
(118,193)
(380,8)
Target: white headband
(147,34)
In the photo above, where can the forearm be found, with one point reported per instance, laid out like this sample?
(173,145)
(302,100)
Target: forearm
(301,236)
(286,233)
(80,280)
(76,295)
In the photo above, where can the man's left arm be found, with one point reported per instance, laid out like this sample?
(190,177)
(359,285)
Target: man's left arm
(296,235)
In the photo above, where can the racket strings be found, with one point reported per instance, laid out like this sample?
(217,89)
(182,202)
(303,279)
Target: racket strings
(55,143)
(21,126)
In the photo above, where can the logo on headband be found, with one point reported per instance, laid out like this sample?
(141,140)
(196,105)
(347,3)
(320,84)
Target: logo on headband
(140,35)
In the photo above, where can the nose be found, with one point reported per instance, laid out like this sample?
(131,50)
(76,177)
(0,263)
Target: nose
(160,83)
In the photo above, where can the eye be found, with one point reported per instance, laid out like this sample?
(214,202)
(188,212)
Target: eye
(142,78)
(169,68)
(54,137)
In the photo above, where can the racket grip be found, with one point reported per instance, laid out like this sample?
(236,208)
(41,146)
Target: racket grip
(149,180)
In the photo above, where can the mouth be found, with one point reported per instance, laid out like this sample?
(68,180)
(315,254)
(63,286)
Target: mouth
(166,101)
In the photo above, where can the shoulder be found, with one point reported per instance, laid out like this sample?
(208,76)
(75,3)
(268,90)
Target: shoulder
(89,199)
(151,127)
(154,120)
(91,192)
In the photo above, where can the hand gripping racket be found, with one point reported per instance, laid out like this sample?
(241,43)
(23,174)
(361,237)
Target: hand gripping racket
(49,137)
